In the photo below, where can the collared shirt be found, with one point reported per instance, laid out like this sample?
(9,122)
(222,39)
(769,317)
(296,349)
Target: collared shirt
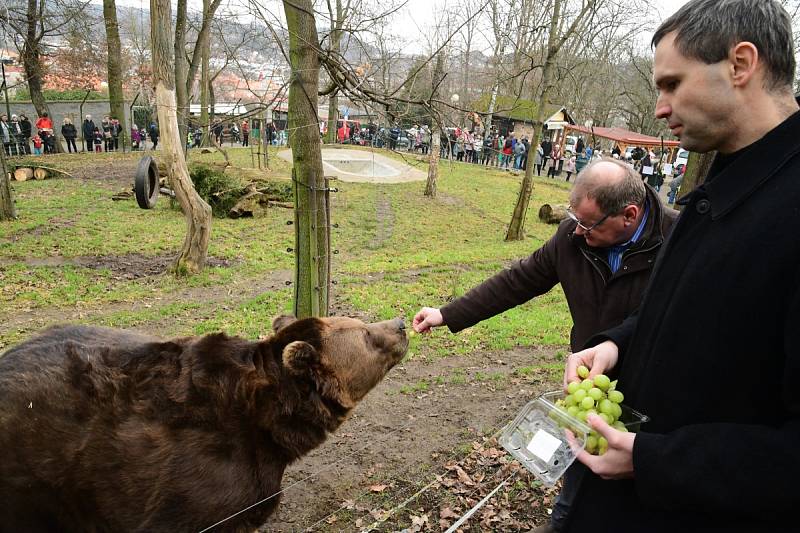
(615,252)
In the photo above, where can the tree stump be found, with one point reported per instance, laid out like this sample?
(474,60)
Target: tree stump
(23,174)
(552,214)
(40,174)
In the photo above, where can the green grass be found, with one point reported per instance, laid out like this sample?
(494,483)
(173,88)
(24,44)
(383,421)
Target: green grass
(397,251)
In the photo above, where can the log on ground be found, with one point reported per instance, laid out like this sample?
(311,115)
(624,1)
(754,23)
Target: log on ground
(23,174)
(40,173)
(552,214)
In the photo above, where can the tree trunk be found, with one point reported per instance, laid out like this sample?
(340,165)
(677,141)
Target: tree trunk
(7,209)
(333,102)
(192,257)
(205,51)
(181,70)
(433,155)
(115,94)
(32,65)
(312,274)
(697,168)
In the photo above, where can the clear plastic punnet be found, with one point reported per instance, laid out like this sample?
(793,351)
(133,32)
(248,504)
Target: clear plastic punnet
(545,439)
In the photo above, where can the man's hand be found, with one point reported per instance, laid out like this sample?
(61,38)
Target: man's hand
(617,462)
(427,318)
(598,359)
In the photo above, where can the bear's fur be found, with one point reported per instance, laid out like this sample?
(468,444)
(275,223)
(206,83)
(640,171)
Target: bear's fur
(109,430)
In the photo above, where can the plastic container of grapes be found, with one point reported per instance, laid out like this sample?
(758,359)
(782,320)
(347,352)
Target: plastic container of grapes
(545,439)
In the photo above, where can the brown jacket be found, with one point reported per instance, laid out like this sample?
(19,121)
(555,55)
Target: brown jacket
(597,299)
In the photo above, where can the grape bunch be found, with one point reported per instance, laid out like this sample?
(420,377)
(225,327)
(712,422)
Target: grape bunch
(596,396)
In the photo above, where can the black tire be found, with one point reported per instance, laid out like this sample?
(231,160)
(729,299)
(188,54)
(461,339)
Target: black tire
(146,184)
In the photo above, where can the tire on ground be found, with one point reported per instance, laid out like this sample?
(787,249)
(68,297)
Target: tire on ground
(146,183)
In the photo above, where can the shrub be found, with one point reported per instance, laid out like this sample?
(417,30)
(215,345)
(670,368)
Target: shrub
(218,189)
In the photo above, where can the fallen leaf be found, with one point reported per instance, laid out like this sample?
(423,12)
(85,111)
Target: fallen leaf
(446,512)
(377,488)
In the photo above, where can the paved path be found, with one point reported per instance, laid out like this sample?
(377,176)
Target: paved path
(364,166)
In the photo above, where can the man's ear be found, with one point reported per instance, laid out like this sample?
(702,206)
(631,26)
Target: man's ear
(281,321)
(299,356)
(744,59)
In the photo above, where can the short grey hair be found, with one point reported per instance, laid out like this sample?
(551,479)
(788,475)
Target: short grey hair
(706,30)
(611,195)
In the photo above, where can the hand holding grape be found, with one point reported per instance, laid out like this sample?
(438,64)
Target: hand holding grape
(598,359)
(617,461)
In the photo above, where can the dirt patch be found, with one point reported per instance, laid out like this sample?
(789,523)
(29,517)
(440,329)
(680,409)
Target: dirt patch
(406,437)
(122,267)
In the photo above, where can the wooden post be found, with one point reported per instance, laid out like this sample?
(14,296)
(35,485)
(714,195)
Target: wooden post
(8,210)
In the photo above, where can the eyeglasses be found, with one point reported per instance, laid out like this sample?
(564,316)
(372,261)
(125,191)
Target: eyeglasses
(581,225)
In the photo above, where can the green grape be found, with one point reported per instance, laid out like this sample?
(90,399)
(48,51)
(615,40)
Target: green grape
(602,382)
(587,384)
(583,372)
(587,403)
(573,386)
(595,393)
(591,444)
(569,401)
(581,416)
(607,407)
(579,395)
(602,446)
(617,410)
(616,396)
(606,418)
(573,410)
(613,385)
(619,426)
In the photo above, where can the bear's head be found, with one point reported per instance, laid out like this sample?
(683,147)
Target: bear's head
(344,357)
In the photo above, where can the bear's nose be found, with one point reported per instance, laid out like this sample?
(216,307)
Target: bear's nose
(399,323)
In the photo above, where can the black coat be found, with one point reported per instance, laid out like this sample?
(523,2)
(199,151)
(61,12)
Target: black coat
(25,124)
(597,298)
(68,131)
(713,357)
(88,129)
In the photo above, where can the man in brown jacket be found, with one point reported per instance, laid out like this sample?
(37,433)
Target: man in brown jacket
(602,255)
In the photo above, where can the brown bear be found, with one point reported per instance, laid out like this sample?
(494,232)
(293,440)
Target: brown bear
(109,430)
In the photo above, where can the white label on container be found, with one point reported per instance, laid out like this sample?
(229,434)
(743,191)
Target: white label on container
(543,445)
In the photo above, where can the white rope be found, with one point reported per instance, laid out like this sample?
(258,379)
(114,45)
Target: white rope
(480,504)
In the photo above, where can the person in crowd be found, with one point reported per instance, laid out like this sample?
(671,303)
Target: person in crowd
(87,128)
(245,133)
(570,165)
(580,145)
(427,138)
(217,128)
(394,136)
(17,137)
(116,131)
(106,127)
(547,148)
(519,155)
(723,303)
(5,133)
(99,139)
(27,131)
(136,138)
(197,135)
(539,161)
(37,144)
(675,185)
(524,162)
(602,255)
(467,140)
(44,126)
(153,134)
(235,134)
(69,133)
(477,148)
(555,162)
(508,151)
(581,160)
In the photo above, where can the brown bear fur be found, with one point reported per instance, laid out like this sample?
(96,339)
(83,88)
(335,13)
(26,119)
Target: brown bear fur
(109,430)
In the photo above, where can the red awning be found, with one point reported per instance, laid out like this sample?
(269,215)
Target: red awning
(623,136)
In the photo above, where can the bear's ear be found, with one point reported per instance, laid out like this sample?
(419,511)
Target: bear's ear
(299,357)
(280,322)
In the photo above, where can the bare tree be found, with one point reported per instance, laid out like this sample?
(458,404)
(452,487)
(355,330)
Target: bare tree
(32,23)
(7,209)
(192,256)
(555,41)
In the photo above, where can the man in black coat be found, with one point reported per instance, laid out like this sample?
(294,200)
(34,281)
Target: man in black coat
(88,133)
(26,126)
(713,354)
